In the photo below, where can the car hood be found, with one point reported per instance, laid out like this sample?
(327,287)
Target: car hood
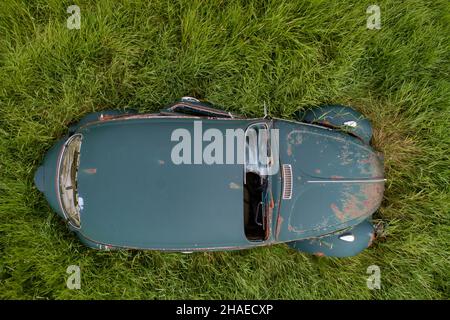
(338,181)
(133,195)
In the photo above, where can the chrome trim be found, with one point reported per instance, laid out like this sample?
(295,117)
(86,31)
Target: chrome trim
(348,181)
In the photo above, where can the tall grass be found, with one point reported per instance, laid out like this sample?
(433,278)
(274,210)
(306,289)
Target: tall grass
(239,54)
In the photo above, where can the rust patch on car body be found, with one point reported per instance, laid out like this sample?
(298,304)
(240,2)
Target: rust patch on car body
(372,239)
(359,204)
(289,150)
(104,117)
(319,254)
(337,212)
(294,137)
(279,223)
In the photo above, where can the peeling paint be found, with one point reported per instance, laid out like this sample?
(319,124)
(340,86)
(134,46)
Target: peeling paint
(104,117)
(338,213)
(289,150)
(364,161)
(319,254)
(370,166)
(279,223)
(321,243)
(346,155)
(233,185)
(356,205)
(295,137)
(371,239)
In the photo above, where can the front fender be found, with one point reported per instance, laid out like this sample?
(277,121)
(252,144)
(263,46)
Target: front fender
(341,117)
(344,244)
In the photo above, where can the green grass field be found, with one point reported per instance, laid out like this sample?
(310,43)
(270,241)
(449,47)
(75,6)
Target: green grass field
(239,54)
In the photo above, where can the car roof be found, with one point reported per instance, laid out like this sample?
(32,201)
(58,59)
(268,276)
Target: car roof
(133,195)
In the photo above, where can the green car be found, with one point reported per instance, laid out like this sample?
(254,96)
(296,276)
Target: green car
(192,178)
